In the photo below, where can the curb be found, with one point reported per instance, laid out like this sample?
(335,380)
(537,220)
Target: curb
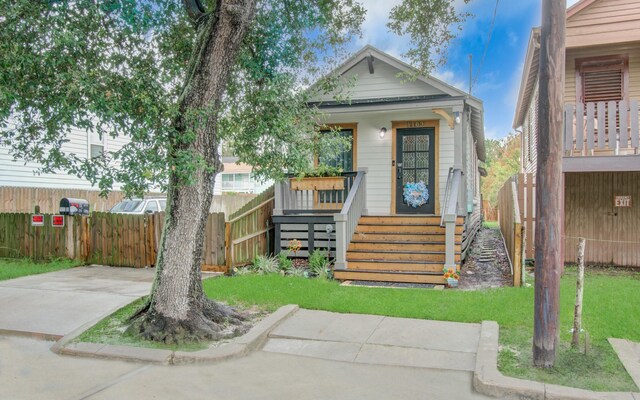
(489,381)
(238,347)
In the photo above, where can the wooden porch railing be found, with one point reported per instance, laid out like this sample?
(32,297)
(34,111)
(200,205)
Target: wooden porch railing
(347,220)
(450,215)
(288,201)
(601,129)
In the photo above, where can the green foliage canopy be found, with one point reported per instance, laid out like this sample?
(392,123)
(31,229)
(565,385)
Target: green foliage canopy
(117,68)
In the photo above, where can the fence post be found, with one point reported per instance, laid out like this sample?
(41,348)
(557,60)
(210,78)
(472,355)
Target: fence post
(70,242)
(228,258)
(577,319)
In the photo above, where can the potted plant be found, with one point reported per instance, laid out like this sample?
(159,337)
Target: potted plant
(451,276)
(322,177)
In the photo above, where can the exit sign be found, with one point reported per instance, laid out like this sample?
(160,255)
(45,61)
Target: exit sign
(37,220)
(57,220)
(622,201)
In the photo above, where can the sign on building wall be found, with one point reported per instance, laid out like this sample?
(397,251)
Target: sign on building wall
(622,201)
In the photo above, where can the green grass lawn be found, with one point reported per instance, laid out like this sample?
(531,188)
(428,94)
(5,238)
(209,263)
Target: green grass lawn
(10,268)
(491,224)
(610,310)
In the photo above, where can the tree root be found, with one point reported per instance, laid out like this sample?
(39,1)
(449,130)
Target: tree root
(213,321)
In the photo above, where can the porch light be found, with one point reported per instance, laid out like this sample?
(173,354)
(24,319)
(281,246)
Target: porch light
(457,114)
(382,132)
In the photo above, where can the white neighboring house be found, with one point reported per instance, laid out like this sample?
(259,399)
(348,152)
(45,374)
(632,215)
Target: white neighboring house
(81,143)
(237,178)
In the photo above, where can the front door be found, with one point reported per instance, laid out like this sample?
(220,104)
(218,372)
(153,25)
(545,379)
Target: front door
(415,171)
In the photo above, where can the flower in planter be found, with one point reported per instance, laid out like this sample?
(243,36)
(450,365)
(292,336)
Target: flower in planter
(451,276)
(294,246)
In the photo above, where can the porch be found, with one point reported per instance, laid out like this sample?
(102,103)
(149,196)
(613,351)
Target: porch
(391,248)
(602,137)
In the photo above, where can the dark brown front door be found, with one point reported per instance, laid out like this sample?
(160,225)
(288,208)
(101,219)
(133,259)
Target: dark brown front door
(415,171)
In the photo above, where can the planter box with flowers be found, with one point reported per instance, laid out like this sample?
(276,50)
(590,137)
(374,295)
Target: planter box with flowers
(323,177)
(451,276)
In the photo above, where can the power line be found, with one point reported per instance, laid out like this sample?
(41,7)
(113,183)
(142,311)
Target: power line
(486,47)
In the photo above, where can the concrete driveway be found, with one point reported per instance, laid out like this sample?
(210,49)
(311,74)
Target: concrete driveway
(55,304)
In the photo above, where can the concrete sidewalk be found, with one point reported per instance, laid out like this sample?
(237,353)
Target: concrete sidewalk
(56,303)
(371,339)
(29,371)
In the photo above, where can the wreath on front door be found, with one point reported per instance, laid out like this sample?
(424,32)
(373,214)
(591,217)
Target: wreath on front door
(416,194)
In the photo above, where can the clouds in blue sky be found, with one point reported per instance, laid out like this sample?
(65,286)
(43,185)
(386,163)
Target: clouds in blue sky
(499,79)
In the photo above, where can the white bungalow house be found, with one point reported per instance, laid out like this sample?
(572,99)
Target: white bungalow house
(411,201)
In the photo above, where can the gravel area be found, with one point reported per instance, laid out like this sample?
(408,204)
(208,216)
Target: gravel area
(486,265)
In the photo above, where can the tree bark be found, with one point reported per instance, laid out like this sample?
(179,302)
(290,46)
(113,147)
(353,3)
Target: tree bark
(178,309)
(550,190)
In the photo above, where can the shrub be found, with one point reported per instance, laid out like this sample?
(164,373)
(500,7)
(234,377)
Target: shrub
(319,264)
(286,264)
(264,265)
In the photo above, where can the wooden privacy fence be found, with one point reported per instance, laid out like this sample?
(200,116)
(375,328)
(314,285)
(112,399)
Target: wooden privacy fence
(527,204)
(489,212)
(511,227)
(103,238)
(24,199)
(18,239)
(249,231)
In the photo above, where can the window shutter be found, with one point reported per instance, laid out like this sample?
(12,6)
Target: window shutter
(603,84)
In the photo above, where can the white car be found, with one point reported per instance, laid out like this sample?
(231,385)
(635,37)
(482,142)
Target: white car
(140,206)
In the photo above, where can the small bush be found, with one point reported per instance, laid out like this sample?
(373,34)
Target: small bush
(285,263)
(319,264)
(264,265)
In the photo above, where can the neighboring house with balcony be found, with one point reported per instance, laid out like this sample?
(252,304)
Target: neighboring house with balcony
(601,161)
(409,203)
(237,177)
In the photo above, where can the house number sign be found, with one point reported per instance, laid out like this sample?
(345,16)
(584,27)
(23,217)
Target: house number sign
(622,201)
(415,124)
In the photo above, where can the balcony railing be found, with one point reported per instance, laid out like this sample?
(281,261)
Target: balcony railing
(607,129)
(312,201)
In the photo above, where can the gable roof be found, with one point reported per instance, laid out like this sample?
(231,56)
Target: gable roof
(371,53)
(579,6)
(379,55)
(529,78)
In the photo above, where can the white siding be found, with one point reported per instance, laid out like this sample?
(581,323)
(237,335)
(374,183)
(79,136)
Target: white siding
(375,153)
(19,173)
(383,83)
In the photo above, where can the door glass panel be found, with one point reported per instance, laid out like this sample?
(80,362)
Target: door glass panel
(407,176)
(422,143)
(410,160)
(422,160)
(422,175)
(409,143)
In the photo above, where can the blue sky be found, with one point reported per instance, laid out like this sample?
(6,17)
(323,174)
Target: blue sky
(499,79)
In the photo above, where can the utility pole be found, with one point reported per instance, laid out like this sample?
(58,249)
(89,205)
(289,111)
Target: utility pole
(550,184)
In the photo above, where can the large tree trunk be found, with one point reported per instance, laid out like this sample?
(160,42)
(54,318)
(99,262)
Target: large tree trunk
(178,309)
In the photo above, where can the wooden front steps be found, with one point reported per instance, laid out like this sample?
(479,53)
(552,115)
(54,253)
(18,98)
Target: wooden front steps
(403,248)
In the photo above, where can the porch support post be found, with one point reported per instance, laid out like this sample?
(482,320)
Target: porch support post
(279,194)
(459,151)
(450,241)
(341,241)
